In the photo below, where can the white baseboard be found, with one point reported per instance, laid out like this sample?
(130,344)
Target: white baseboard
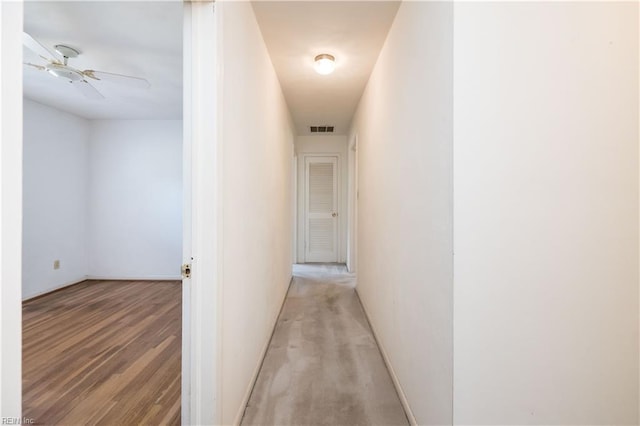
(392,373)
(256,371)
(103,278)
(130,278)
(52,289)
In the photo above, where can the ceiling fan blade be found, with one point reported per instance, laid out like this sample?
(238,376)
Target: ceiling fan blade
(126,80)
(37,48)
(40,67)
(87,89)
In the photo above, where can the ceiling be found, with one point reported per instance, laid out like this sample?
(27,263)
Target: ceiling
(141,39)
(296,31)
(144,39)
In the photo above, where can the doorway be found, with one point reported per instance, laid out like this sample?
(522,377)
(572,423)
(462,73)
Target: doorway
(102,208)
(321,209)
(199,353)
(322,198)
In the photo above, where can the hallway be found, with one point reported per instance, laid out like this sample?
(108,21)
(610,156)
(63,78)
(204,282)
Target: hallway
(476,164)
(323,365)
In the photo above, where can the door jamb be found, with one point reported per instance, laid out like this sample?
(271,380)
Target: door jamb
(352,201)
(201,310)
(11,21)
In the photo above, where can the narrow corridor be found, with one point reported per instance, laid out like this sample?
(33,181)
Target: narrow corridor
(323,366)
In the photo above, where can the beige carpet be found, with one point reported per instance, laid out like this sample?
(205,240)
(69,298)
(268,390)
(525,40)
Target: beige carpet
(323,366)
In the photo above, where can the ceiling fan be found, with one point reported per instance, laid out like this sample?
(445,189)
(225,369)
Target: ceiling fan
(80,79)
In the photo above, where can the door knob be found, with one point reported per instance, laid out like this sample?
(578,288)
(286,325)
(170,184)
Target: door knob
(334,214)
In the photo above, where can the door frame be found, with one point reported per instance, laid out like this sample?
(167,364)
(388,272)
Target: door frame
(202,215)
(11,21)
(294,207)
(302,210)
(352,201)
(201,229)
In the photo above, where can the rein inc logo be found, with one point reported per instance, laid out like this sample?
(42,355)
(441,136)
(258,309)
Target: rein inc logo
(17,421)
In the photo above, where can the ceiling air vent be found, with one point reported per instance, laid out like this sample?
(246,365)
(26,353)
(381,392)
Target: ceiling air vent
(321,129)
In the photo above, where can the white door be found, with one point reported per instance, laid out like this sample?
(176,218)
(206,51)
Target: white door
(321,209)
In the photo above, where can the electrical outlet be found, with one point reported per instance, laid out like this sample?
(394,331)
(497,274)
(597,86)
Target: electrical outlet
(56,264)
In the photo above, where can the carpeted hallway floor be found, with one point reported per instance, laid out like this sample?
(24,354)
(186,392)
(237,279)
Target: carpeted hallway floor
(323,366)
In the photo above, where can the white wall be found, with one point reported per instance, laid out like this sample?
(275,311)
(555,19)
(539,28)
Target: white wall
(257,137)
(135,199)
(333,145)
(55,185)
(103,197)
(404,128)
(546,213)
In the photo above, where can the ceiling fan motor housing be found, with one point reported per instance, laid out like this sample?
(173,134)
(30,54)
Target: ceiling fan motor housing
(64,72)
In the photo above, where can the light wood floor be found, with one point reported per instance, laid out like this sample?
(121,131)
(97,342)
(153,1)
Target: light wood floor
(103,352)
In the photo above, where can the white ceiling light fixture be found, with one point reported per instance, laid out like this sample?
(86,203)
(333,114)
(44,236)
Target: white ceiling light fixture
(325,64)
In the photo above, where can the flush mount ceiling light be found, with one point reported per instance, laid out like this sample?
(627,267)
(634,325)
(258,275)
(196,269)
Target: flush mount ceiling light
(325,64)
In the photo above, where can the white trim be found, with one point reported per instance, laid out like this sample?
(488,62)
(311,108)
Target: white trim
(638,53)
(352,205)
(52,289)
(396,382)
(201,402)
(263,354)
(294,171)
(11,19)
(130,278)
(187,57)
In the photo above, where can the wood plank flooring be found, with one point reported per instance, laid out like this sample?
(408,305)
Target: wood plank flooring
(103,352)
